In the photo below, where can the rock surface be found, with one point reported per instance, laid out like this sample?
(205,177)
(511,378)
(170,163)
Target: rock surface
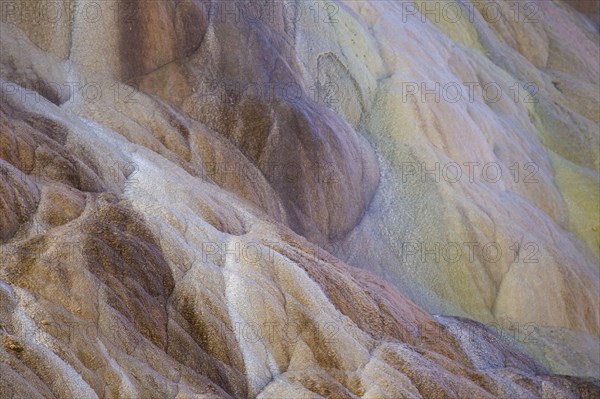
(219,199)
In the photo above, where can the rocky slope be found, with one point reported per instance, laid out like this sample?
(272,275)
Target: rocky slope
(257,199)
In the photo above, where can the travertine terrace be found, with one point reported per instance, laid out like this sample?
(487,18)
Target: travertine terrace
(299,199)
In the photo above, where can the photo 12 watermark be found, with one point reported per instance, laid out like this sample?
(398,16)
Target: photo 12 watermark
(469,251)
(468,172)
(71,92)
(231,93)
(467,11)
(454,92)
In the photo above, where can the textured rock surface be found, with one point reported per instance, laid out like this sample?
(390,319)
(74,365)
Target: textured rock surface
(196,200)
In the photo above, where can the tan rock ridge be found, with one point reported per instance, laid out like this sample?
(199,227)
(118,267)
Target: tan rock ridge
(201,199)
